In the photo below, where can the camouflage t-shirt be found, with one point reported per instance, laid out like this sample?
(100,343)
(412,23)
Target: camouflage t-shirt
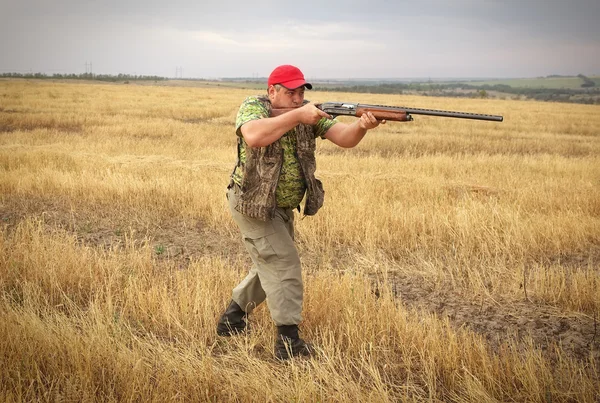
(291,186)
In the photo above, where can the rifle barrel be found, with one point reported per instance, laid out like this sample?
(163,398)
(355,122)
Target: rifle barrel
(451,114)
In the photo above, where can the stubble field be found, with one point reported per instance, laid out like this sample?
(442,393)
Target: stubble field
(454,260)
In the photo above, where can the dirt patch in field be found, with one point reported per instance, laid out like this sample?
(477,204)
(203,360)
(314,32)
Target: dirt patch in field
(576,334)
(172,242)
(180,242)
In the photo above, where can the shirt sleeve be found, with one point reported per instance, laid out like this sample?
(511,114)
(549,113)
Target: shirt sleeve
(323,126)
(251,109)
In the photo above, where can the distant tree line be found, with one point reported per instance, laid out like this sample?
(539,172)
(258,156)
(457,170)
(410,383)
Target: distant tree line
(84,76)
(587,82)
(588,94)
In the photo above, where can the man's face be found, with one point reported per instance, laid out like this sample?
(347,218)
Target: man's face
(281,97)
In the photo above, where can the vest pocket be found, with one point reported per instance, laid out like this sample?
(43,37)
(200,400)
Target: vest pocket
(314,198)
(251,228)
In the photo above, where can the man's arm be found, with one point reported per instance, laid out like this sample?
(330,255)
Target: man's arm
(263,132)
(348,136)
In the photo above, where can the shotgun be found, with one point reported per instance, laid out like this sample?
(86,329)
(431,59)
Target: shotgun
(392,113)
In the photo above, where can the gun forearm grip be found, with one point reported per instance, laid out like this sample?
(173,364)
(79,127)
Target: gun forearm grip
(380,114)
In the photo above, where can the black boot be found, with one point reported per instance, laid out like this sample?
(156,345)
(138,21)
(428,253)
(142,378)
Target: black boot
(233,321)
(289,344)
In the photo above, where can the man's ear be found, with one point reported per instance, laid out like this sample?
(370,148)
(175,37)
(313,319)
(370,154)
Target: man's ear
(271,91)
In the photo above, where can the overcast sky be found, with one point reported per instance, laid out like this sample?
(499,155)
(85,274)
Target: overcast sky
(326,38)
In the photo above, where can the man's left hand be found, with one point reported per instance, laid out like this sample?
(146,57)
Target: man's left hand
(368,121)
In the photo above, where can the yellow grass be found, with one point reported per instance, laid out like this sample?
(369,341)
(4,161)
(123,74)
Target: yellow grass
(117,253)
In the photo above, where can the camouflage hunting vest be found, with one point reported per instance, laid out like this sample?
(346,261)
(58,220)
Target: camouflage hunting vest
(262,169)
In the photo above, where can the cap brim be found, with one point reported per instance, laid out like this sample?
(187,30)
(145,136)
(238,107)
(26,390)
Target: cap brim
(292,85)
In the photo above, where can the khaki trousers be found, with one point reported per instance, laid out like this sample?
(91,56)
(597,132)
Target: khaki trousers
(276,272)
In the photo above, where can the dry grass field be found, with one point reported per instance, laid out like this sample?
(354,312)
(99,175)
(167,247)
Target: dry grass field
(454,260)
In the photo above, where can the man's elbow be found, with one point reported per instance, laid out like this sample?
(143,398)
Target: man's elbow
(254,141)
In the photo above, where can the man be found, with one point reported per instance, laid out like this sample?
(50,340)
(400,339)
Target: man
(275,170)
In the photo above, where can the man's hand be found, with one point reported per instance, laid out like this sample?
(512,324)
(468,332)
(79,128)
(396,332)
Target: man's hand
(367,121)
(348,136)
(309,114)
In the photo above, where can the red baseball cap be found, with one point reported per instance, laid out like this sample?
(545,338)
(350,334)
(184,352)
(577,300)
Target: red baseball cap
(289,76)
